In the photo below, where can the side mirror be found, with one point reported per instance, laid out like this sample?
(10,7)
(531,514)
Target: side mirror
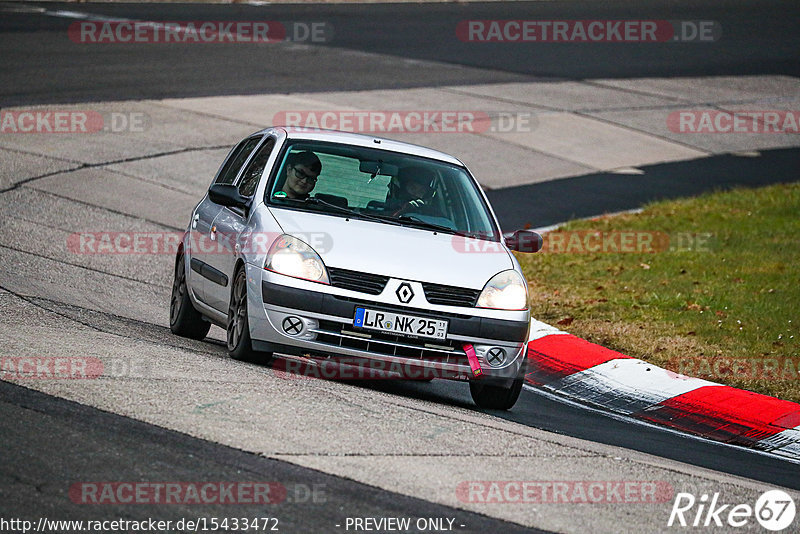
(227,195)
(524,241)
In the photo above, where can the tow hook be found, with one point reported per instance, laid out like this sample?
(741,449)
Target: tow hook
(474,364)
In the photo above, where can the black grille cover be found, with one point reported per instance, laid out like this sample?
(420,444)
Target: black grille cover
(450,295)
(371,284)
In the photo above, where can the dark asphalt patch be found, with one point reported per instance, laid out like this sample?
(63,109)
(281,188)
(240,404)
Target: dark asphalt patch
(557,201)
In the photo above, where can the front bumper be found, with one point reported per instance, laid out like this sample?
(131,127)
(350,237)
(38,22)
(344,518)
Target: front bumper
(327,331)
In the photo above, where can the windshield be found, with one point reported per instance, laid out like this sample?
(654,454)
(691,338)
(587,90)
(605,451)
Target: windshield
(381,186)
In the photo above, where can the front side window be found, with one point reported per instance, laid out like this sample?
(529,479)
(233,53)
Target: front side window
(230,169)
(252,174)
(379,185)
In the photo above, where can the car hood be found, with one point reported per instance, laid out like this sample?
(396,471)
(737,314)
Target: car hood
(397,251)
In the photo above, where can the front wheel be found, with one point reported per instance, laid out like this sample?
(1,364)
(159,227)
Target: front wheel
(491,397)
(240,346)
(184,319)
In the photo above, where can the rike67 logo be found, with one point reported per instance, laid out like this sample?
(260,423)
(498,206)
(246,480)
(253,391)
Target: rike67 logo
(774,510)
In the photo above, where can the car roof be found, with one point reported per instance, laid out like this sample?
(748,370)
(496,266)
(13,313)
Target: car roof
(367,141)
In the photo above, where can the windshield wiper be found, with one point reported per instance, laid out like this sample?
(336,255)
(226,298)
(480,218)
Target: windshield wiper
(419,223)
(429,225)
(439,227)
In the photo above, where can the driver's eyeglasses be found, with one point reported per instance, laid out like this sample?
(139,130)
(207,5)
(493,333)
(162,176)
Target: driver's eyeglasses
(303,176)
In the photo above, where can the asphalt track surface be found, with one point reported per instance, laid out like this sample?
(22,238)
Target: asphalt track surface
(757,38)
(106,446)
(544,412)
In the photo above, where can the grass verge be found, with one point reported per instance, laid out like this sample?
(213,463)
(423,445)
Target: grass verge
(707,286)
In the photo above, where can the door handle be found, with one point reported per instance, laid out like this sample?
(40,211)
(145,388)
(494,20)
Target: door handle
(194,220)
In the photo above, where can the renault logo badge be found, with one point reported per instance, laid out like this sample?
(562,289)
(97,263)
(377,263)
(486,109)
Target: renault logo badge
(404,293)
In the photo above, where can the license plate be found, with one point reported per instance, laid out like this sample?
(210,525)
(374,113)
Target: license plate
(397,323)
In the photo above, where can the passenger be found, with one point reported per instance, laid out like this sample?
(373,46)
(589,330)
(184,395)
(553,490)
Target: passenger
(412,190)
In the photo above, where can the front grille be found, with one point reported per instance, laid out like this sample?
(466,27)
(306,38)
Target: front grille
(450,295)
(371,284)
(344,335)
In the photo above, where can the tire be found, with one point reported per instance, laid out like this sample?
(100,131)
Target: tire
(490,397)
(240,346)
(184,319)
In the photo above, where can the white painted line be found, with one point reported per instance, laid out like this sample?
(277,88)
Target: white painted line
(626,385)
(67,14)
(61,13)
(632,420)
(785,442)
(21,9)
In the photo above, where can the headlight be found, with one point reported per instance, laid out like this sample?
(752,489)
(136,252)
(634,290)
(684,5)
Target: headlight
(505,291)
(290,256)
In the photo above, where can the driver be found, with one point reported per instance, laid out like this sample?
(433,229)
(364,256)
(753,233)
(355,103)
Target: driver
(302,170)
(413,191)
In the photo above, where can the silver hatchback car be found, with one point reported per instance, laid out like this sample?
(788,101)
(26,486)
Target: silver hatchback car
(344,249)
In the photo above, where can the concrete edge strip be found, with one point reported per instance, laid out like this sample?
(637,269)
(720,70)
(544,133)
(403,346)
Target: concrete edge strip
(569,366)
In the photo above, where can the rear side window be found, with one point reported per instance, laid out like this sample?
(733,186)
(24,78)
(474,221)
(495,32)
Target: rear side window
(255,169)
(235,161)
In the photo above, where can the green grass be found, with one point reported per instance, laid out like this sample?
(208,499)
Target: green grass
(722,302)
